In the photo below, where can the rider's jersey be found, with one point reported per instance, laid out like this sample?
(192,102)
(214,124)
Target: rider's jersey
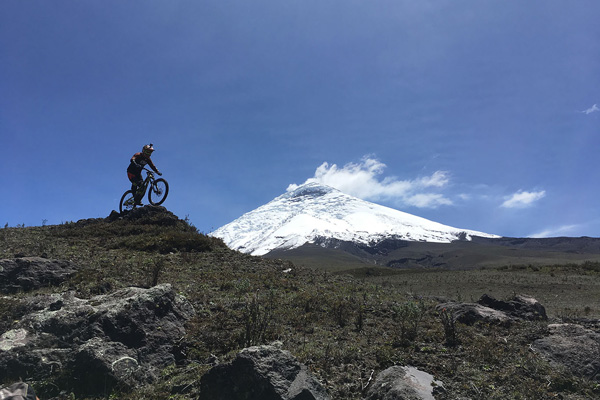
(141,160)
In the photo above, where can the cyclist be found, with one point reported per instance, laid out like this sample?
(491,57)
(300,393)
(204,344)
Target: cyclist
(134,171)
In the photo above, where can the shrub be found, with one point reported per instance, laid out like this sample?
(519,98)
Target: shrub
(258,319)
(448,320)
(408,316)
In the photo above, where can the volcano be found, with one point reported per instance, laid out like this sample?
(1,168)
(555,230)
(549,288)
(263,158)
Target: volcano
(316,213)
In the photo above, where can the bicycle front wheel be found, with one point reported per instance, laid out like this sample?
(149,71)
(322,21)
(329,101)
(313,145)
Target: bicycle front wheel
(127,202)
(159,189)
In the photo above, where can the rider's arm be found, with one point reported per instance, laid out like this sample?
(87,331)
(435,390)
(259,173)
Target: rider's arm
(151,164)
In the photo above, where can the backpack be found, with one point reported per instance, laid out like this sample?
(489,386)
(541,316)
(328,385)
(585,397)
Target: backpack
(17,391)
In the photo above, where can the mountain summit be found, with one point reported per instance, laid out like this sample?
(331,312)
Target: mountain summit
(315,211)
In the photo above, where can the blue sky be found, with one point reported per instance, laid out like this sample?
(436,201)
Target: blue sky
(477,114)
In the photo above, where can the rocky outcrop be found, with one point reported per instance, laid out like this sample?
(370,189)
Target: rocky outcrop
(122,338)
(148,214)
(490,310)
(471,313)
(30,273)
(574,347)
(404,383)
(520,307)
(261,373)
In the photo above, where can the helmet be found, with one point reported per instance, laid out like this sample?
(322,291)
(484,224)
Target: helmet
(148,149)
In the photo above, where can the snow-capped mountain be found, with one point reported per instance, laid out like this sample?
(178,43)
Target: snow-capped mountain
(316,211)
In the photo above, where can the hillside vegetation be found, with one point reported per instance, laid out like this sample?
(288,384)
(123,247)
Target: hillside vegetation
(345,328)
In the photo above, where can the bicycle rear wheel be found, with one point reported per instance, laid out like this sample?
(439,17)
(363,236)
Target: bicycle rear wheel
(127,202)
(158,191)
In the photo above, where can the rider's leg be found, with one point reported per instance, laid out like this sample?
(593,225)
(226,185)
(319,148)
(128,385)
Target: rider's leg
(136,188)
(138,192)
(139,195)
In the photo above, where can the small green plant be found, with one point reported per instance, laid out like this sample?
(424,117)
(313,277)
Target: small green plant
(154,268)
(408,316)
(242,286)
(569,314)
(258,318)
(448,320)
(359,320)
(341,311)
(191,226)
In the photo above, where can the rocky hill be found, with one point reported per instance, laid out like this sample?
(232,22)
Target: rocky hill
(142,306)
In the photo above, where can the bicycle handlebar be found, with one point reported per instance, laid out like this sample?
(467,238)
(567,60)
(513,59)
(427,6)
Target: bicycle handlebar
(150,171)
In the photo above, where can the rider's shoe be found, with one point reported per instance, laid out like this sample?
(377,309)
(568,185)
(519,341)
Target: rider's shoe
(138,204)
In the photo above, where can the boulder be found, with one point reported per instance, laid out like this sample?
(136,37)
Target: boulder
(30,273)
(404,383)
(471,313)
(261,373)
(490,310)
(520,307)
(574,347)
(113,361)
(121,338)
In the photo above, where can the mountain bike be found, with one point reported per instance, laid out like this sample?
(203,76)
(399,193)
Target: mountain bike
(159,189)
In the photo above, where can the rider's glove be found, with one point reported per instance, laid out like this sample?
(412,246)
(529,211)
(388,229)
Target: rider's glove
(159,173)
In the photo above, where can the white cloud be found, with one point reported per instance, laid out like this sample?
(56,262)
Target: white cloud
(438,179)
(564,230)
(362,180)
(523,199)
(427,200)
(592,109)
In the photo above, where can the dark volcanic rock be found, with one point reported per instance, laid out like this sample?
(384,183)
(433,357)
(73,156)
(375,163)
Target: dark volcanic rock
(261,373)
(522,307)
(156,215)
(490,310)
(120,338)
(471,313)
(573,346)
(115,362)
(29,273)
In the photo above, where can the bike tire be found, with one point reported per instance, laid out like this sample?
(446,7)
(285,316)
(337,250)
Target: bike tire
(127,202)
(158,191)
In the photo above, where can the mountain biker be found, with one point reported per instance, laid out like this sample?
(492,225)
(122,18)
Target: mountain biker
(134,171)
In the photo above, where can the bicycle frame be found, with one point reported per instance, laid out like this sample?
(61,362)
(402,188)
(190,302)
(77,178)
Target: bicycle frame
(149,179)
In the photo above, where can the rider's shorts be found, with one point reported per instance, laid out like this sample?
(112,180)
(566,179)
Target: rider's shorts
(134,177)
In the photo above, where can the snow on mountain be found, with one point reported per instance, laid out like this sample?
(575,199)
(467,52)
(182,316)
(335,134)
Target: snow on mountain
(315,211)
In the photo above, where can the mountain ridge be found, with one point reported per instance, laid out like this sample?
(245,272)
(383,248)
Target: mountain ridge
(458,255)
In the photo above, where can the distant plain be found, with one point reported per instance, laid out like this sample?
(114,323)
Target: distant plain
(562,273)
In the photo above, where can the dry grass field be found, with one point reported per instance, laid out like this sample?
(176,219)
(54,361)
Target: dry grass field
(344,324)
